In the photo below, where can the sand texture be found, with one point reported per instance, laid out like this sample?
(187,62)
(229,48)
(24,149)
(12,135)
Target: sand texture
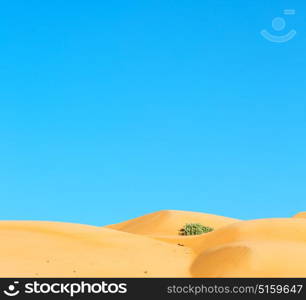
(150,246)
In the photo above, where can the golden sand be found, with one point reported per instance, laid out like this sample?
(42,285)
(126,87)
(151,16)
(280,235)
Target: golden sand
(150,246)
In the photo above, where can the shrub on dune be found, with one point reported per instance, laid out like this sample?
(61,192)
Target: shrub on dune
(195,229)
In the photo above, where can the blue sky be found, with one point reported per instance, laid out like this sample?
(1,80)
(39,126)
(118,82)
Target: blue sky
(113,109)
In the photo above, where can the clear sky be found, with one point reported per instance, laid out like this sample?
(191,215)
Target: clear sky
(113,109)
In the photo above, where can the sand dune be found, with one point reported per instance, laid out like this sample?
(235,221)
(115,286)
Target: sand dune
(252,259)
(258,248)
(43,249)
(150,246)
(169,222)
(301,215)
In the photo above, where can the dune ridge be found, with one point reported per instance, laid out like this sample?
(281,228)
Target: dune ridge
(169,222)
(150,246)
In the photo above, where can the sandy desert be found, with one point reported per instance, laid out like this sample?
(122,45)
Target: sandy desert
(151,246)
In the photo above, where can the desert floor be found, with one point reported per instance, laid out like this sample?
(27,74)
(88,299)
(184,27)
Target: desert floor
(150,246)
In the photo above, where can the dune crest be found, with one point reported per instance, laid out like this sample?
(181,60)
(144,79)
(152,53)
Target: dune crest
(169,222)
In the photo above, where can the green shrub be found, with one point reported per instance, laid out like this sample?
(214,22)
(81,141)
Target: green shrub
(195,229)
